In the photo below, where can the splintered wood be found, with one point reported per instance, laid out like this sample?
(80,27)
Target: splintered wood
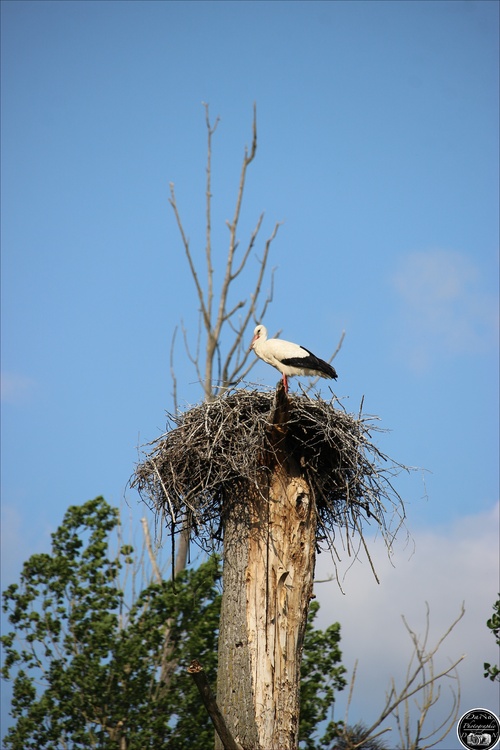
(279,587)
(276,575)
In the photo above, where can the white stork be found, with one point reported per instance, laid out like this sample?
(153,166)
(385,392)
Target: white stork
(290,359)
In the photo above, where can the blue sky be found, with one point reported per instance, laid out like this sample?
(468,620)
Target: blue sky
(378,152)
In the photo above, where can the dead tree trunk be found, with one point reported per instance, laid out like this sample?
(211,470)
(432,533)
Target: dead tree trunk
(268,470)
(269,558)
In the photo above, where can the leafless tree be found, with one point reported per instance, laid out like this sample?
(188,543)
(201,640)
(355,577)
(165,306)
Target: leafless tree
(412,704)
(217,371)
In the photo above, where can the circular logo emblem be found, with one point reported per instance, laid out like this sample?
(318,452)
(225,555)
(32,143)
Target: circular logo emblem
(478,728)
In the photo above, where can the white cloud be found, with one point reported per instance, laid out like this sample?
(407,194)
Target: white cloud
(445,305)
(16,389)
(448,567)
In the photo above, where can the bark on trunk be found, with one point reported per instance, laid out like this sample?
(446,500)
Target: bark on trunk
(269,558)
(234,679)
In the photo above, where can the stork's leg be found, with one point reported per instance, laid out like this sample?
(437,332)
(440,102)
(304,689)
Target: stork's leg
(285,383)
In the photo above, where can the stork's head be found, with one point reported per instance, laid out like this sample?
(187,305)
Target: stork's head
(259,334)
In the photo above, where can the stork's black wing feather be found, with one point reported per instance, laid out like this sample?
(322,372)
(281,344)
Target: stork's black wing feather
(311,362)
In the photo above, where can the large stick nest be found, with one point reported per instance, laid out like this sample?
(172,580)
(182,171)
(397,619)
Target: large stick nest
(211,452)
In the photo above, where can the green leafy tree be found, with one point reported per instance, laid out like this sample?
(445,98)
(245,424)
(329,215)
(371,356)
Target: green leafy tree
(88,663)
(320,678)
(95,664)
(491,670)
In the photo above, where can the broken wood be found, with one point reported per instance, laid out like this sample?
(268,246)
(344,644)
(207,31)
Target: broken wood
(200,678)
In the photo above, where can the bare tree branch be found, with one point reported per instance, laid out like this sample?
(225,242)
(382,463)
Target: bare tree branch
(230,375)
(235,363)
(198,674)
(208,243)
(165,662)
(213,337)
(421,680)
(235,309)
(430,693)
(194,359)
(151,554)
(247,252)
(172,371)
(192,267)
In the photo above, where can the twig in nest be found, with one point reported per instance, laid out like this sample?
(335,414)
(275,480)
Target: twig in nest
(217,449)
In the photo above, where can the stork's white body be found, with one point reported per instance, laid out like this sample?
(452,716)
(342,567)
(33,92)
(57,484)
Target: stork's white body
(290,359)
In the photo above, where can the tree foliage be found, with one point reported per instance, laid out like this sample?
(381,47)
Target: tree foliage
(88,662)
(87,652)
(493,623)
(320,678)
